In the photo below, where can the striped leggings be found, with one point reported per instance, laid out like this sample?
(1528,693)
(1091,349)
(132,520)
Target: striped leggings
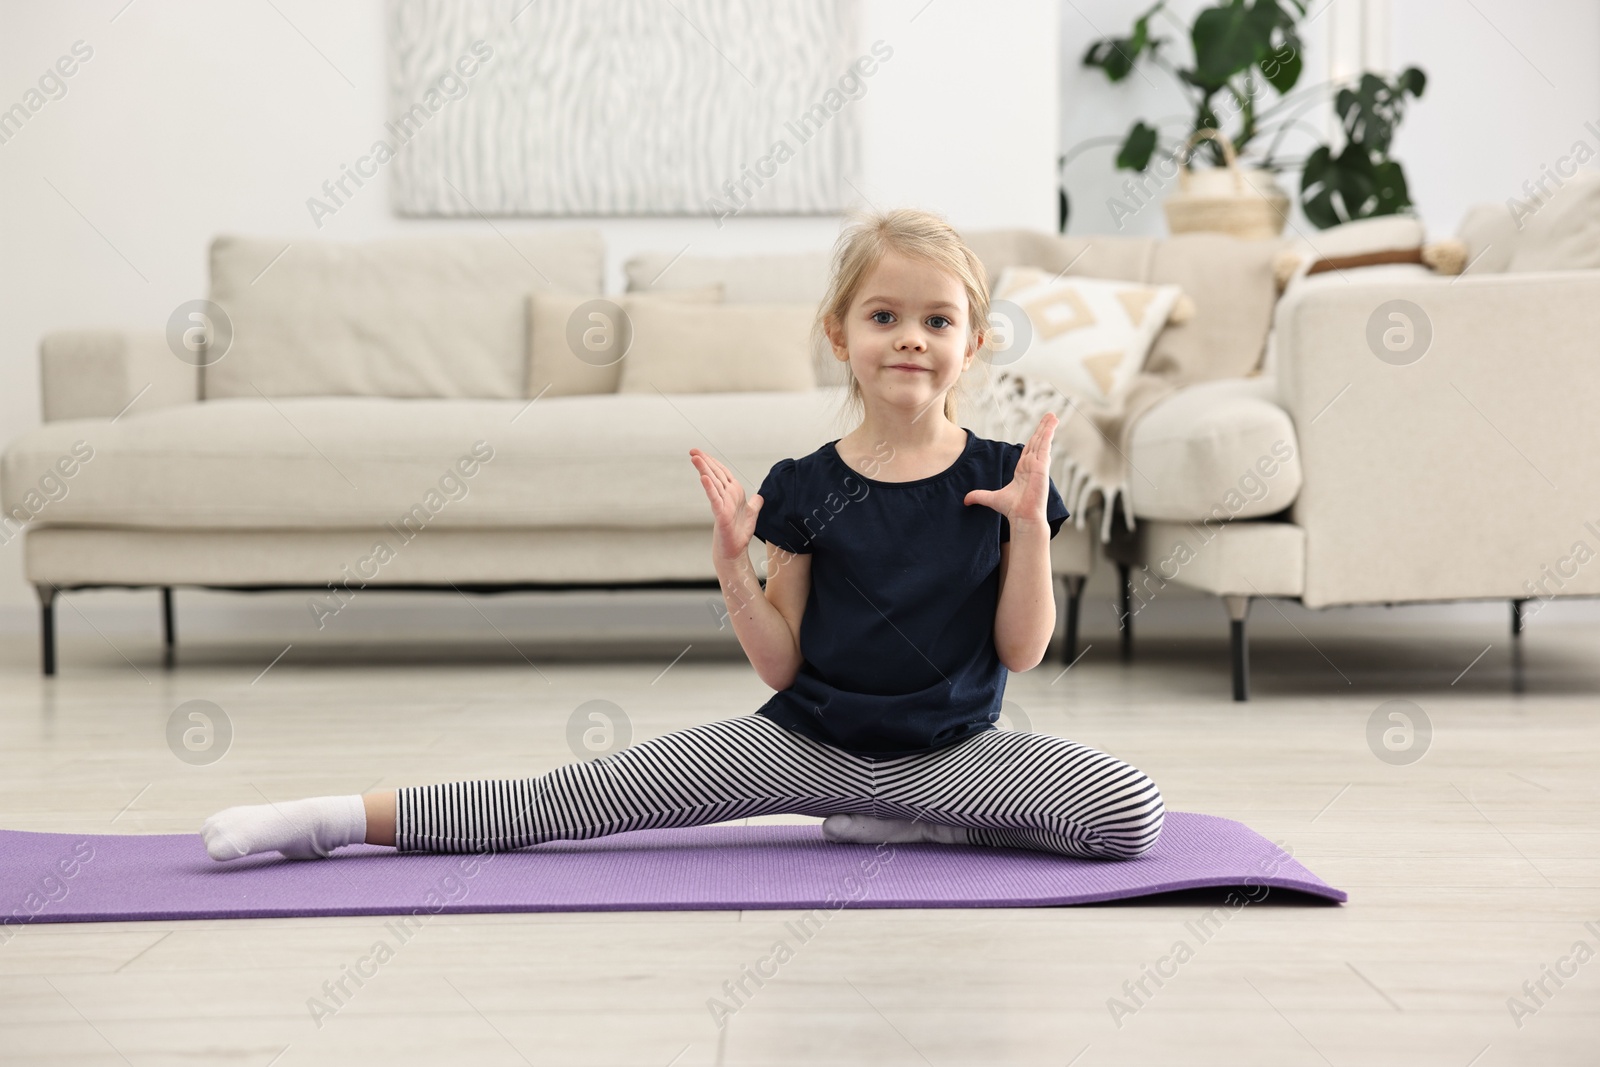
(1024,790)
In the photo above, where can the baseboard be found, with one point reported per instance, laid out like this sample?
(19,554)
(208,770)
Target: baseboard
(372,613)
(649,614)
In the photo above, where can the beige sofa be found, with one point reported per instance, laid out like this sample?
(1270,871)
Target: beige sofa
(1445,431)
(329,447)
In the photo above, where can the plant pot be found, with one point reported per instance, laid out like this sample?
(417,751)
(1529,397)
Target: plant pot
(1246,202)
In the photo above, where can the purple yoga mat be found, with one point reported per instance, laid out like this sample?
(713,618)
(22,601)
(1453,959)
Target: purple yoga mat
(96,878)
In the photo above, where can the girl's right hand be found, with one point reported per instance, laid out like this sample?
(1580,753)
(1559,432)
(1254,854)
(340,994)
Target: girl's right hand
(735,517)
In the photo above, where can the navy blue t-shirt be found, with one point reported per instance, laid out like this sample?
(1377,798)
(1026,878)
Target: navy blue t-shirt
(897,638)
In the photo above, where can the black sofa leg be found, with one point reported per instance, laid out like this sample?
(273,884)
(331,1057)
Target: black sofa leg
(1238,610)
(1518,683)
(1075,583)
(1125,583)
(47,625)
(169,632)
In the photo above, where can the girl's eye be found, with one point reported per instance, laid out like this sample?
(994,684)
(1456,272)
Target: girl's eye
(938,322)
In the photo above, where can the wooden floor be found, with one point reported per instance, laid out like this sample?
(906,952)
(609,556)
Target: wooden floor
(1469,871)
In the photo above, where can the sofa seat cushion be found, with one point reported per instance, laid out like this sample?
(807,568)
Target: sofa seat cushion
(115,555)
(1214,451)
(1225,559)
(617,460)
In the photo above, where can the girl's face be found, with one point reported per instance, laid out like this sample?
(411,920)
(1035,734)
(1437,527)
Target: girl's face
(906,333)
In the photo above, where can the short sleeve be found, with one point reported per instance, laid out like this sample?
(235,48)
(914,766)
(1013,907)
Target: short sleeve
(775,521)
(1055,508)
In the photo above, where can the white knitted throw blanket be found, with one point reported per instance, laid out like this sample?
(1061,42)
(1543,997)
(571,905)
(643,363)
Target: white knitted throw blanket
(1089,462)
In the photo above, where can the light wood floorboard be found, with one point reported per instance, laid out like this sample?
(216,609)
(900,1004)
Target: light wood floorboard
(1468,870)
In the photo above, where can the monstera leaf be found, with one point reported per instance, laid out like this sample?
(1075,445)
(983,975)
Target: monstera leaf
(1351,185)
(1361,181)
(1116,55)
(1229,40)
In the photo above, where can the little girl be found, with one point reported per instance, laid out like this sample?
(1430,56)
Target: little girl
(888,655)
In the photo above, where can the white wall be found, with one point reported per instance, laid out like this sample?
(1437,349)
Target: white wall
(1510,87)
(192,119)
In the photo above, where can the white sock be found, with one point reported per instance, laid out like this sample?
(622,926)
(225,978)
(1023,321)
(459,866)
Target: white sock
(871,830)
(300,829)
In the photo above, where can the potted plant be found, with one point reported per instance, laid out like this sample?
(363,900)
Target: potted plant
(1240,50)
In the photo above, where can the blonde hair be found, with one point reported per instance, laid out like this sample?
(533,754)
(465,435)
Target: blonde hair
(914,233)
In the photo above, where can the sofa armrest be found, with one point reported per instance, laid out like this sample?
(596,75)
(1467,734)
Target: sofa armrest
(1465,469)
(85,374)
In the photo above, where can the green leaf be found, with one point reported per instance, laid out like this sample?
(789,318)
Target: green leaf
(1372,130)
(1226,41)
(1283,64)
(1113,55)
(1336,189)
(1141,30)
(1137,148)
(1117,55)
(1315,167)
(1412,81)
(1343,102)
(1371,112)
(1266,17)
(1390,182)
(1316,196)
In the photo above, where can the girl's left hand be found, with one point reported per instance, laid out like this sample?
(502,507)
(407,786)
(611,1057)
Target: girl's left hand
(1026,497)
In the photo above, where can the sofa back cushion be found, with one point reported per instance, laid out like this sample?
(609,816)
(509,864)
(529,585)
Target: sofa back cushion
(683,347)
(782,278)
(398,317)
(1230,280)
(1489,234)
(1112,258)
(573,355)
(1234,289)
(1562,231)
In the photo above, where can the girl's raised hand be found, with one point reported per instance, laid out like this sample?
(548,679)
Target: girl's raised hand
(1026,497)
(735,516)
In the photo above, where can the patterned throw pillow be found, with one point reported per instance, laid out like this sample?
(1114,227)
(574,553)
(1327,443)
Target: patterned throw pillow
(1085,336)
